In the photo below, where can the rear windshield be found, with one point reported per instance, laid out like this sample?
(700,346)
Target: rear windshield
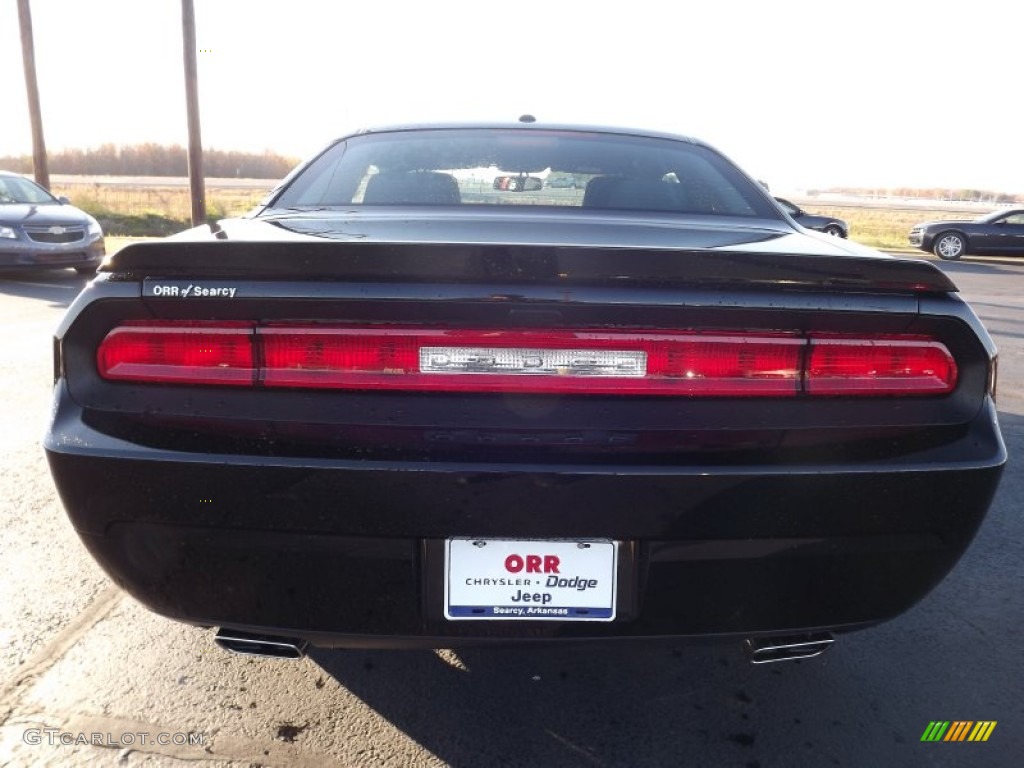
(459,167)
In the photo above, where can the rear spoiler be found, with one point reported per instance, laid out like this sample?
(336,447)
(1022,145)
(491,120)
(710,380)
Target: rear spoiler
(523,264)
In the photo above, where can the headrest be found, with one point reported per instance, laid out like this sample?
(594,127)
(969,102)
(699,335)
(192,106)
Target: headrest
(412,188)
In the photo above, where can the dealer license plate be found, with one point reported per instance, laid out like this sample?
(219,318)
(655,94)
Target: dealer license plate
(531,579)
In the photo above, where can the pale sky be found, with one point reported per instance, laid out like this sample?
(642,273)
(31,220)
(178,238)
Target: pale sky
(801,93)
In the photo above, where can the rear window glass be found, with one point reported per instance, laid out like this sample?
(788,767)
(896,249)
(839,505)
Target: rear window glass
(488,167)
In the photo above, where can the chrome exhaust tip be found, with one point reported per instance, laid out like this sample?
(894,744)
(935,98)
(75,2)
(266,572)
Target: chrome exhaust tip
(267,646)
(764,650)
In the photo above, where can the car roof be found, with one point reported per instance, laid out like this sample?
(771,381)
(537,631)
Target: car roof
(528,126)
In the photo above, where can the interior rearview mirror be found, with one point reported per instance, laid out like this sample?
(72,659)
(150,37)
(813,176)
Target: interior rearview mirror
(521,183)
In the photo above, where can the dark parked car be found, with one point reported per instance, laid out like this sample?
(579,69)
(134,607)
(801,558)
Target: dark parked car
(397,407)
(39,230)
(827,224)
(994,234)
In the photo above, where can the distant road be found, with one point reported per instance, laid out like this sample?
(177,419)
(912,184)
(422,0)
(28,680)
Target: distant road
(161,181)
(901,204)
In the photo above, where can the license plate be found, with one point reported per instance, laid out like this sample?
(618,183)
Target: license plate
(530,579)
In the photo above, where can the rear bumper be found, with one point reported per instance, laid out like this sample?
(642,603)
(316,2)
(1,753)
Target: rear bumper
(350,553)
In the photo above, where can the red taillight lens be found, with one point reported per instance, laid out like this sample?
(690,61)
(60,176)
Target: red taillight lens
(351,358)
(179,354)
(705,364)
(876,367)
(587,362)
(732,365)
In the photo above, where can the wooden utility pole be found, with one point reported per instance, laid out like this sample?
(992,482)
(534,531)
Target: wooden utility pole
(195,142)
(28,54)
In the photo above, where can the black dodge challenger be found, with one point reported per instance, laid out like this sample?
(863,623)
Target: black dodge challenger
(399,405)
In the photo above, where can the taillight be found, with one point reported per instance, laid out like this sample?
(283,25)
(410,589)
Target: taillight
(597,362)
(179,353)
(585,362)
(879,367)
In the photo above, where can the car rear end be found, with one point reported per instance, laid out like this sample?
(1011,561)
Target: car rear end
(396,444)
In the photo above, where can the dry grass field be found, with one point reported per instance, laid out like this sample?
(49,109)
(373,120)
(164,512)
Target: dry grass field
(127,206)
(170,201)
